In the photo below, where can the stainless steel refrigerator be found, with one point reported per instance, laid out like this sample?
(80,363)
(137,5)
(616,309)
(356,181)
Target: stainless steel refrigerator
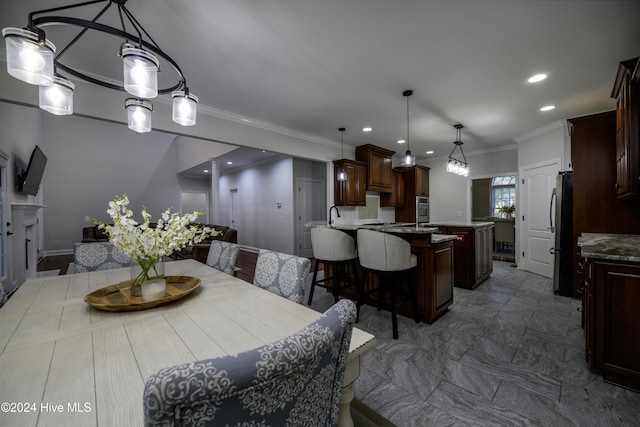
(561,219)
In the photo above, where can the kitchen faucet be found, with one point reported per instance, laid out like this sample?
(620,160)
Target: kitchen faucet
(337,212)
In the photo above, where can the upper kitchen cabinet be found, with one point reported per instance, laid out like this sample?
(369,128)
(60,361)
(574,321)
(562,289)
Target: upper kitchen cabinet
(416,184)
(351,192)
(396,197)
(626,90)
(379,177)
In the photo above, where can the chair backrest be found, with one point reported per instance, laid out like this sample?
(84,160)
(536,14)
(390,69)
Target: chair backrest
(505,230)
(282,274)
(98,256)
(329,244)
(384,251)
(295,381)
(222,256)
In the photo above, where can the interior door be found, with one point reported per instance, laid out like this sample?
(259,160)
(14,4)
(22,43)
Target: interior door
(311,206)
(536,237)
(235,209)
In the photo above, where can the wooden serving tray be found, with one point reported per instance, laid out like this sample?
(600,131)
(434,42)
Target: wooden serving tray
(118,297)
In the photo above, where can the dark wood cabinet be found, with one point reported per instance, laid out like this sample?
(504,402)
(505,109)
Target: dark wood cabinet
(612,320)
(416,183)
(421,176)
(351,192)
(396,197)
(595,205)
(626,90)
(378,167)
(472,254)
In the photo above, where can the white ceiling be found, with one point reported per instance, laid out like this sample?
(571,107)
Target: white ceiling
(313,66)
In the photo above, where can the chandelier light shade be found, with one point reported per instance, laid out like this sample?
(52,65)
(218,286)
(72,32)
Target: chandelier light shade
(29,56)
(342,174)
(138,114)
(408,159)
(32,58)
(140,72)
(57,98)
(454,165)
(185,106)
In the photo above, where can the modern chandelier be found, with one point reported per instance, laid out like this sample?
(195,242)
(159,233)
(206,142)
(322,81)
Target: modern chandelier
(32,58)
(454,165)
(342,175)
(408,159)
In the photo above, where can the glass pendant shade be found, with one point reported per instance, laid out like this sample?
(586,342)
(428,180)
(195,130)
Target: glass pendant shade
(58,97)
(408,159)
(184,108)
(140,72)
(342,175)
(138,115)
(28,59)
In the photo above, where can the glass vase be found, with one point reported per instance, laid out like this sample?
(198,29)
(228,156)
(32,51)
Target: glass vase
(142,271)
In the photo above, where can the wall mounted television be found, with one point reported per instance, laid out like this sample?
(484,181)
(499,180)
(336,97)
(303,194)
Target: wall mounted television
(29,180)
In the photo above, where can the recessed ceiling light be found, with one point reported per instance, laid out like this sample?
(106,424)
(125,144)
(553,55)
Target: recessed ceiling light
(430,152)
(367,129)
(548,108)
(206,171)
(401,141)
(537,78)
(229,163)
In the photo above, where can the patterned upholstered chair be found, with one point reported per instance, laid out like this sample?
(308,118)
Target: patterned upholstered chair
(296,381)
(98,256)
(283,274)
(222,256)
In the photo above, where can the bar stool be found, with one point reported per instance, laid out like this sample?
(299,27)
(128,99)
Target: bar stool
(388,256)
(336,248)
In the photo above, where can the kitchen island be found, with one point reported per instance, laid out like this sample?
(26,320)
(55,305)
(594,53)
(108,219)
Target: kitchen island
(472,249)
(434,272)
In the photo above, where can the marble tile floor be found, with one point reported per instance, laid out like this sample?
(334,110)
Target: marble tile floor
(508,353)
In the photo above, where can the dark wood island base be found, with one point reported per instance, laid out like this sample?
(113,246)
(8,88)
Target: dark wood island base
(433,276)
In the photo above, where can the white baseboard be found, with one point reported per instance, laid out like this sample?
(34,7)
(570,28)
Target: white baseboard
(59,252)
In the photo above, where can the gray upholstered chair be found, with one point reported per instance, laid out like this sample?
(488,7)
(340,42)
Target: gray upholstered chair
(337,249)
(98,256)
(283,274)
(222,256)
(387,256)
(296,381)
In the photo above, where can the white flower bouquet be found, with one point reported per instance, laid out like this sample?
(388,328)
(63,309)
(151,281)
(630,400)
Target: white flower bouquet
(147,245)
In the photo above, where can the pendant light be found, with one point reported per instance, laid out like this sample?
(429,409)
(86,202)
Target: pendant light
(459,167)
(138,114)
(408,159)
(57,98)
(342,175)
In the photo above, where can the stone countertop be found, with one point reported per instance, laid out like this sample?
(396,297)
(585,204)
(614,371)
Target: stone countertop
(439,238)
(397,228)
(620,247)
(472,224)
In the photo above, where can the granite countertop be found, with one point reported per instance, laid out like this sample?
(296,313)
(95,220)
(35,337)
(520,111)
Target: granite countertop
(399,228)
(620,247)
(439,238)
(472,224)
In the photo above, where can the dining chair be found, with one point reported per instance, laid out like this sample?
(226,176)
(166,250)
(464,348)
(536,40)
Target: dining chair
(296,381)
(390,258)
(98,256)
(283,274)
(222,256)
(337,249)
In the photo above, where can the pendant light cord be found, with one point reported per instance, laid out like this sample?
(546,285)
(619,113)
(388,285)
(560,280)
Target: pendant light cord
(408,145)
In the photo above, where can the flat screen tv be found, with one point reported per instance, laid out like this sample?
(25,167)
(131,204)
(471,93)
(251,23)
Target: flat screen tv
(29,180)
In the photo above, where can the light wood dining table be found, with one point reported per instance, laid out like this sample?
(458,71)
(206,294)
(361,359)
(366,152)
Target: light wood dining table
(63,362)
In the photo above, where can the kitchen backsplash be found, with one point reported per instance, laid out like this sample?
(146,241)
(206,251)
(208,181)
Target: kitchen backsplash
(366,214)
